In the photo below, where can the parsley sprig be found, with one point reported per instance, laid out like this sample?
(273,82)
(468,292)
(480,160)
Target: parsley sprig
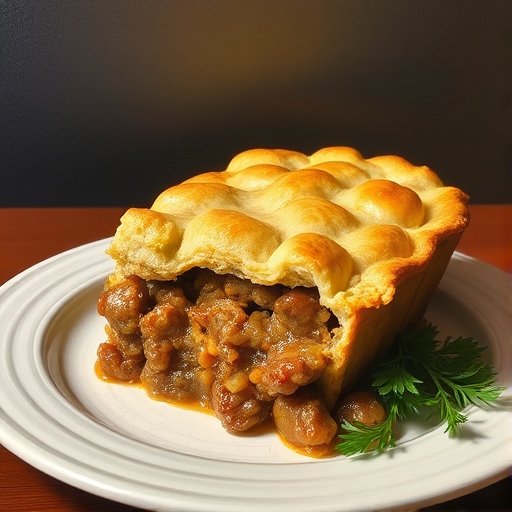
(422,371)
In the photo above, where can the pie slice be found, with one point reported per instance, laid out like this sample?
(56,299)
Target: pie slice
(276,281)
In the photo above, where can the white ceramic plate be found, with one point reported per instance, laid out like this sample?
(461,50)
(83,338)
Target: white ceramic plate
(113,441)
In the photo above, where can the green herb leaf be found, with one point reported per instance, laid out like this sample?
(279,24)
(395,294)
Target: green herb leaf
(359,438)
(423,371)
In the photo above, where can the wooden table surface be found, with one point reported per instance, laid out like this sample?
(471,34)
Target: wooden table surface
(28,236)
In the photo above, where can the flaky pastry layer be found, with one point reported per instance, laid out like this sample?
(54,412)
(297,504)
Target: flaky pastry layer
(373,235)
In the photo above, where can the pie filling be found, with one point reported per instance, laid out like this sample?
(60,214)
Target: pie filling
(244,351)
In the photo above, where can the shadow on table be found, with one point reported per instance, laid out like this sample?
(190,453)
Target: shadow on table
(494,498)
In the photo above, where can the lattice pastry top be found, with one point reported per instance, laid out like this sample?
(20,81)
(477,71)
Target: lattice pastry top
(352,227)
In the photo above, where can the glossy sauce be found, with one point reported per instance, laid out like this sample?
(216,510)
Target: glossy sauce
(221,345)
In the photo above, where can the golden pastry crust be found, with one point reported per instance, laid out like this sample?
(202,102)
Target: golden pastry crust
(373,235)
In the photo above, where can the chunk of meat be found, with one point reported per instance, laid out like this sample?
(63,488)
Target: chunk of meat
(183,382)
(122,357)
(303,420)
(162,328)
(290,365)
(209,285)
(119,366)
(223,319)
(124,304)
(299,312)
(244,292)
(129,344)
(265,296)
(162,291)
(241,410)
(360,407)
(256,329)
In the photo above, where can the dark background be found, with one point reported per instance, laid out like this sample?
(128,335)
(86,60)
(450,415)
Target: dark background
(109,102)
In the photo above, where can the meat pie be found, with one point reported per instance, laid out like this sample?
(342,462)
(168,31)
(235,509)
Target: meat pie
(265,290)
